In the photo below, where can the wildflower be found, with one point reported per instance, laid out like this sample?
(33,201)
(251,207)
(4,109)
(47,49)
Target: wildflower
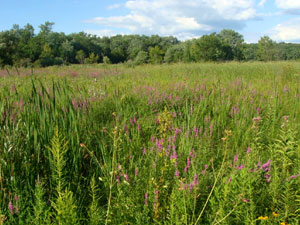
(2,219)
(174,156)
(136,171)
(191,186)
(275,214)
(266,166)
(82,145)
(138,127)
(11,207)
(230,179)
(235,158)
(246,200)
(196,181)
(241,167)
(284,223)
(256,119)
(126,177)
(146,198)
(294,176)
(263,218)
(249,150)
(177,173)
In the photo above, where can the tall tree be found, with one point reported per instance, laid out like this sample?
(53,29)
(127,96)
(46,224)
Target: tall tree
(266,49)
(207,48)
(233,44)
(156,55)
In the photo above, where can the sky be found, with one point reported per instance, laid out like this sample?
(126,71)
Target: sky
(184,19)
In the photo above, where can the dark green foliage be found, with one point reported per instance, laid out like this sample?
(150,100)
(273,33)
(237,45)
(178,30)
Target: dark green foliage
(21,47)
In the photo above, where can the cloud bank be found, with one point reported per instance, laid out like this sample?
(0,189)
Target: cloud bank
(192,18)
(183,19)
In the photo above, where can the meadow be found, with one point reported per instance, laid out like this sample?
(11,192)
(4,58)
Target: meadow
(202,143)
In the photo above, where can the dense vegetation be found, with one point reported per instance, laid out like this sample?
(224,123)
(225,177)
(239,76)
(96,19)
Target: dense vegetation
(158,144)
(22,47)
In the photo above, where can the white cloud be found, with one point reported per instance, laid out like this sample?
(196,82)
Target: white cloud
(288,4)
(102,33)
(262,3)
(114,6)
(288,31)
(184,19)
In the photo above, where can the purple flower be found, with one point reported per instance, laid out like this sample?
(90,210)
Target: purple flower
(191,186)
(266,166)
(235,158)
(146,198)
(241,167)
(138,127)
(249,150)
(174,155)
(230,179)
(196,181)
(294,176)
(177,173)
(11,207)
(126,177)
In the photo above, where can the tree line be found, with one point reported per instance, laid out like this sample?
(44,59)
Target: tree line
(21,47)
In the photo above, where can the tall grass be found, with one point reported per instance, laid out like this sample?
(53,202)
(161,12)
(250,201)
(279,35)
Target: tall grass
(169,144)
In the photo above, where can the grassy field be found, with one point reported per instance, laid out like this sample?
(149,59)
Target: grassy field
(155,144)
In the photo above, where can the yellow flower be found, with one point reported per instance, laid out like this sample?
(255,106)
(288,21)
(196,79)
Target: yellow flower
(263,217)
(284,223)
(275,214)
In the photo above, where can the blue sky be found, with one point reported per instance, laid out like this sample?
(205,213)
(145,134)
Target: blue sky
(185,19)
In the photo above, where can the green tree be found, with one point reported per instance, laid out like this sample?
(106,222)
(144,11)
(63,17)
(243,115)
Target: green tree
(174,54)
(106,60)
(141,58)
(156,55)
(266,49)
(80,56)
(233,44)
(207,48)
(92,59)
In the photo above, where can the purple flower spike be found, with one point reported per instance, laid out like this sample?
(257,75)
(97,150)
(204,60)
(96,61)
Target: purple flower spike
(266,166)
(11,207)
(146,198)
(235,158)
(196,181)
(241,167)
(126,177)
(249,150)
